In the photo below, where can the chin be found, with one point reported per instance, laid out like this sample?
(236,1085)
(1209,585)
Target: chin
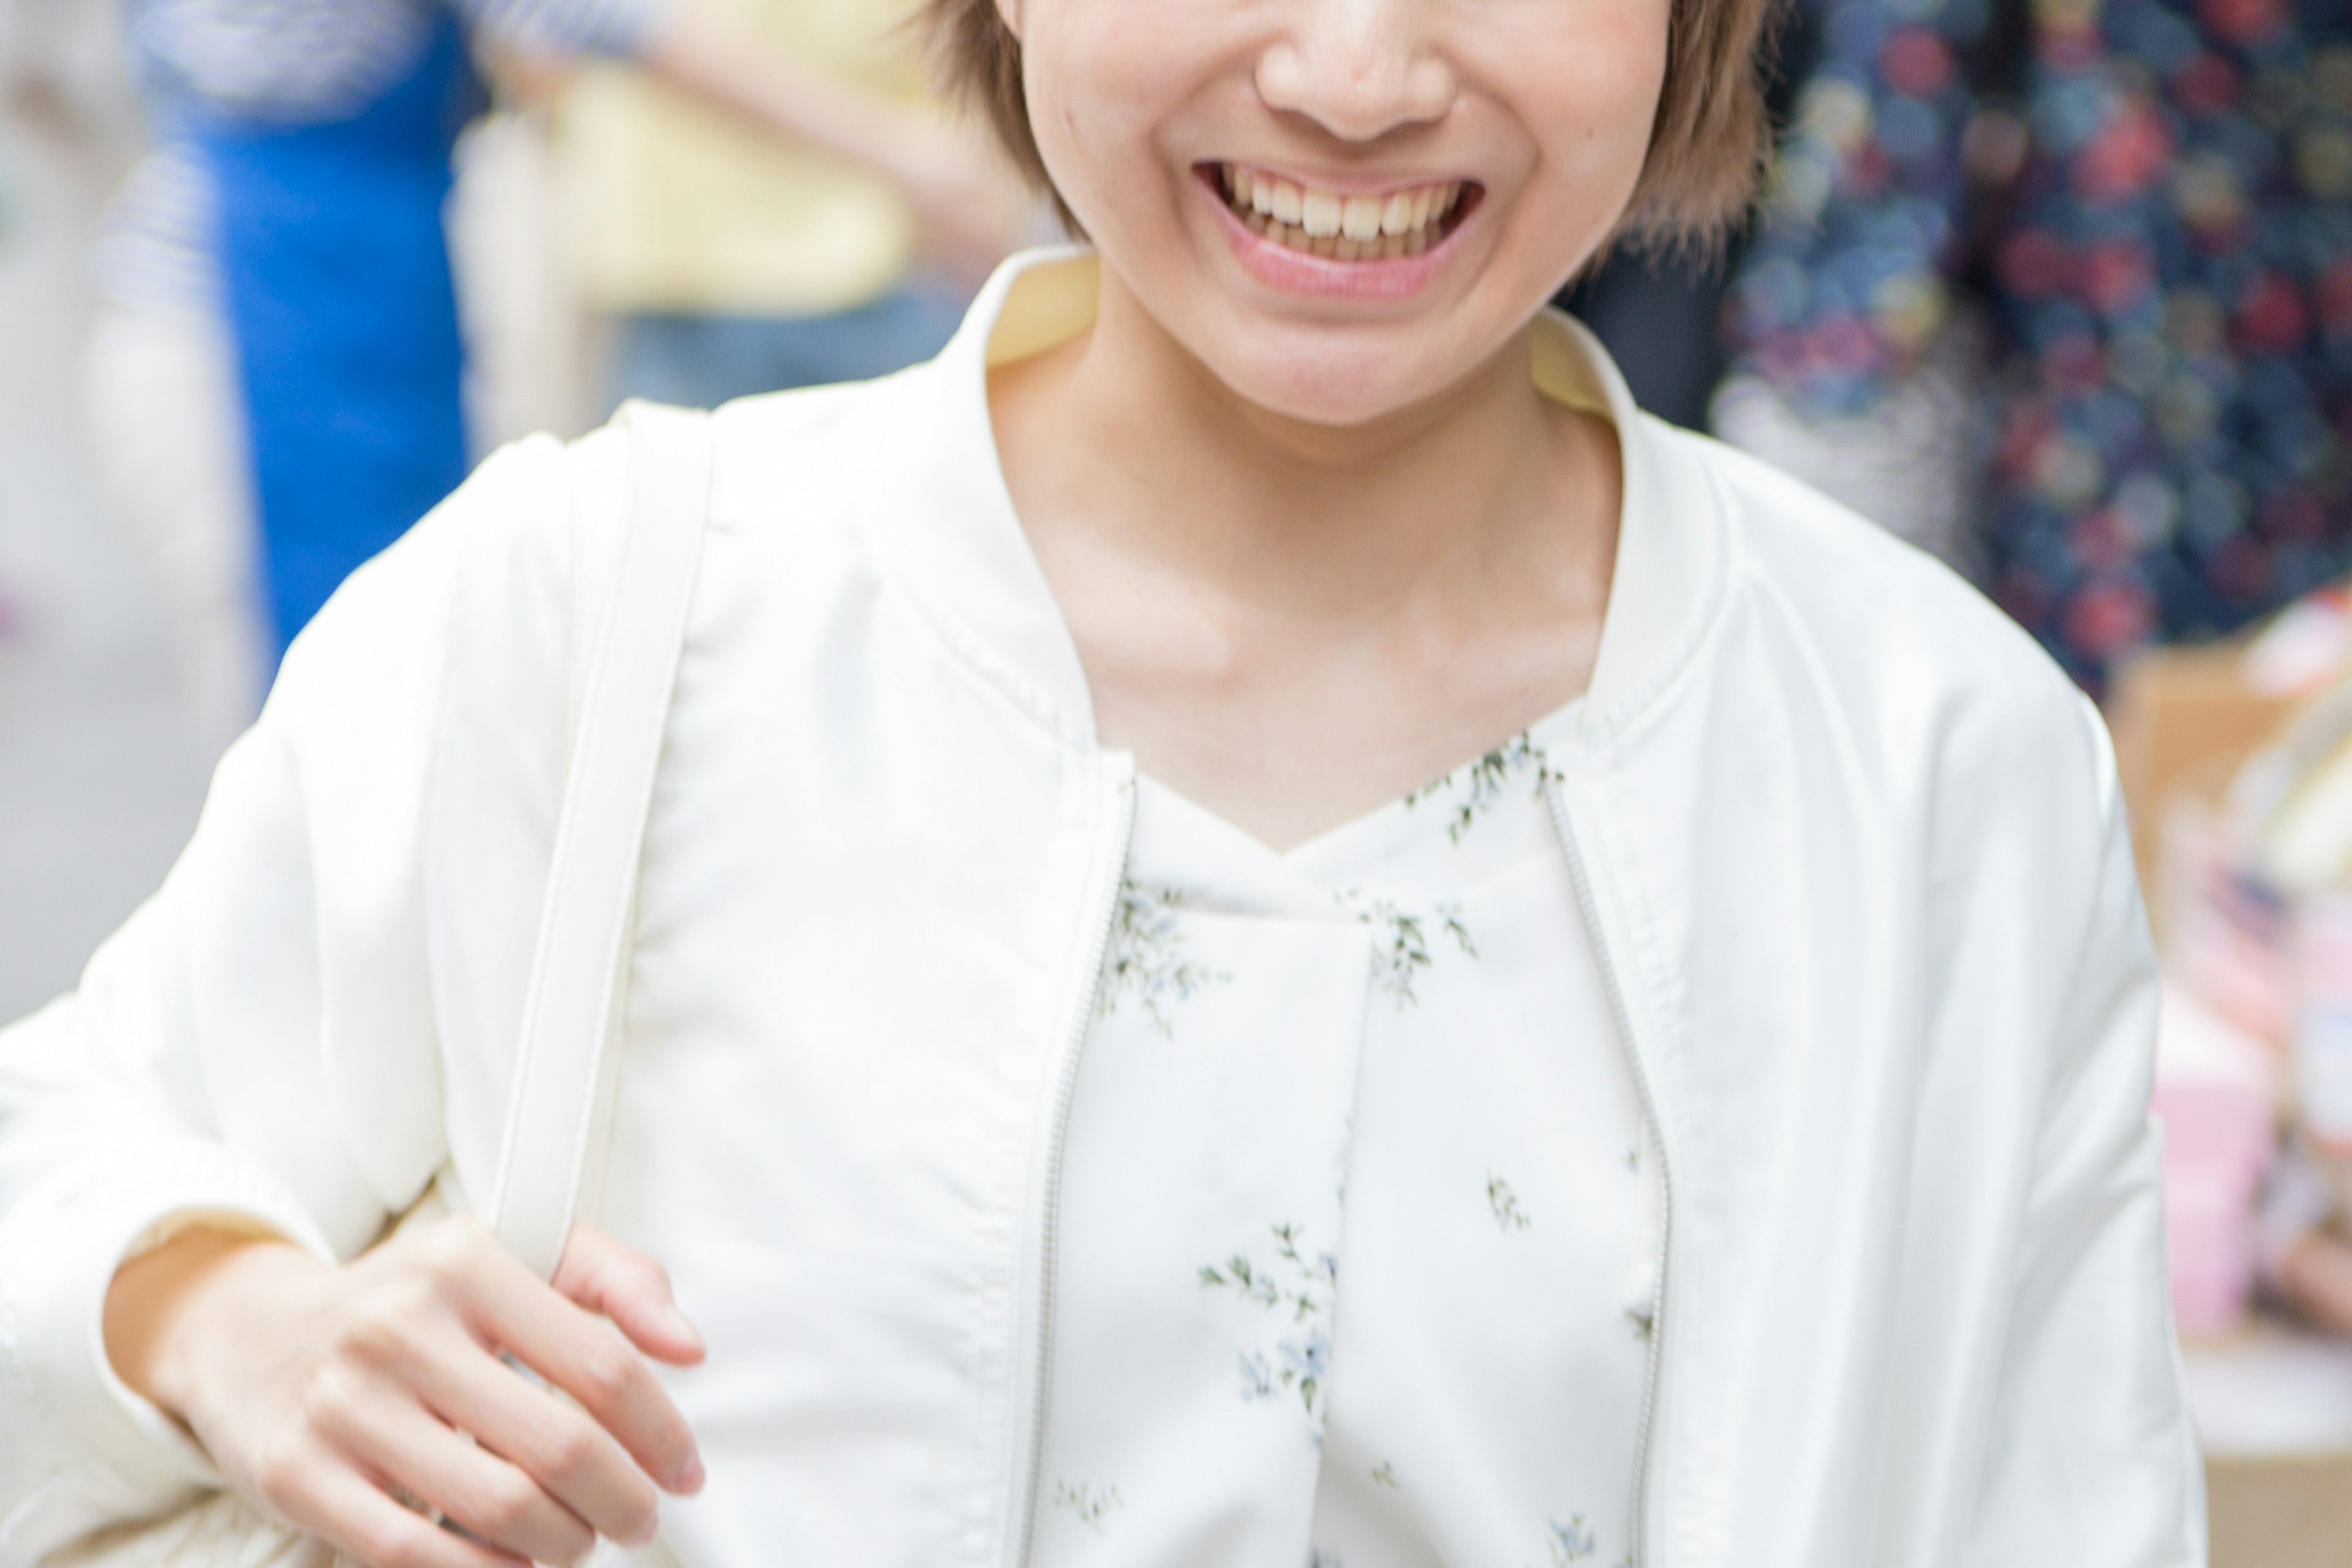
(1334,380)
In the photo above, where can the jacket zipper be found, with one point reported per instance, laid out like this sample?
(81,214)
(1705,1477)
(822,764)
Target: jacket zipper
(1638,1552)
(1057,1136)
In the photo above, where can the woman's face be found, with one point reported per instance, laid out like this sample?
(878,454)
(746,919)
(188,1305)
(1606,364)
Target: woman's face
(1342,207)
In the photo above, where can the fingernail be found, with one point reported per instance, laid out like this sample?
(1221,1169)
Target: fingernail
(644,1536)
(679,1325)
(689,1476)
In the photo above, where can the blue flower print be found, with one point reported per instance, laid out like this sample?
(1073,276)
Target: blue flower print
(1147,961)
(1571,1543)
(1296,1291)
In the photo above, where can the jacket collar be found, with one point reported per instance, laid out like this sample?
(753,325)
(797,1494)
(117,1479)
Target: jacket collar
(958,547)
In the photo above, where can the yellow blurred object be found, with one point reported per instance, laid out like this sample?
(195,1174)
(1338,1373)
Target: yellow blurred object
(2305,838)
(2185,721)
(674,207)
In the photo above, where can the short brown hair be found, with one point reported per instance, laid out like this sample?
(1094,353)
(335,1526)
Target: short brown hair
(1707,146)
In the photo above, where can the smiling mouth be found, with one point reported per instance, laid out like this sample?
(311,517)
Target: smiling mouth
(1296,215)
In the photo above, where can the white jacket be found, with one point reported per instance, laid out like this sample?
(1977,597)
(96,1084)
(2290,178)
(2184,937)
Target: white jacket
(1853,858)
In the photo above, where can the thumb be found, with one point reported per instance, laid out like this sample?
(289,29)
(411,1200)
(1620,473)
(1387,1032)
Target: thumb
(604,1277)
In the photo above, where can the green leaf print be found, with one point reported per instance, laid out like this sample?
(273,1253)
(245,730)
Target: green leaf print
(1401,940)
(1475,787)
(1146,961)
(1088,1502)
(1504,1204)
(1296,1290)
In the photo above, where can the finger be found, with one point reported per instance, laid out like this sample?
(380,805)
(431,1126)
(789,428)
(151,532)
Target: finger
(632,1290)
(344,1509)
(588,1361)
(568,1455)
(493,1500)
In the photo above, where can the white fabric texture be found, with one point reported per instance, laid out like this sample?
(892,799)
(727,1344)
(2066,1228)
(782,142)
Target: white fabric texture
(1380,1318)
(1850,848)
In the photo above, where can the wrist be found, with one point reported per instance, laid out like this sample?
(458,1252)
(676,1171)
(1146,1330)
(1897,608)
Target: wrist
(160,1303)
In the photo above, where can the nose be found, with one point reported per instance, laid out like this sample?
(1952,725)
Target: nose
(1360,68)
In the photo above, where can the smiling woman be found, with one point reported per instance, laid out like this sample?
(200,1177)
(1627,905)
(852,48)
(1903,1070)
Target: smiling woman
(1272,929)
(1707,141)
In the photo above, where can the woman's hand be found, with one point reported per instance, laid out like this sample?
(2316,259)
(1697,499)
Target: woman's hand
(323,1392)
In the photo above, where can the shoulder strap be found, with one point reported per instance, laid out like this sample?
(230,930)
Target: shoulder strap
(550,1160)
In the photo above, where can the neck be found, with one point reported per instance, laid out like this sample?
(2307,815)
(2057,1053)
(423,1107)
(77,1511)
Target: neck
(1313,521)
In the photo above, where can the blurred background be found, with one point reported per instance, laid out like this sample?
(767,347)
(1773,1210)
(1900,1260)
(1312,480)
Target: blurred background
(2061,290)
(274,273)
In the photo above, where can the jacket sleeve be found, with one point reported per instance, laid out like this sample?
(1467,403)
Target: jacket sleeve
(2092,1459)
(255,1048)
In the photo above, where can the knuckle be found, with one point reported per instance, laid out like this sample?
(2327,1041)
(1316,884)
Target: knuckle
(282,1473)
(647,1275)
(629,1511)
(608,1370)
(453,1248)
(392,1545)
(383,1333)
(637,1519)
(504,1503)
(578,1541)
(332,1402)
(572,1450)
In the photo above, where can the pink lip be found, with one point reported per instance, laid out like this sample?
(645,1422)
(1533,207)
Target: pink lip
(1295,272)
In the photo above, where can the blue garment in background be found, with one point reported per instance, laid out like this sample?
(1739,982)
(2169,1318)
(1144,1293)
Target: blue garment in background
(701,362)
(337,285)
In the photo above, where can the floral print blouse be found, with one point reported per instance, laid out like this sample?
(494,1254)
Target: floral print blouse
(1357,1229)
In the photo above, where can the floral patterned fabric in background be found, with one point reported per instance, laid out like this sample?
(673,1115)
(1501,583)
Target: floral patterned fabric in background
(1357,1231)
(2152,203)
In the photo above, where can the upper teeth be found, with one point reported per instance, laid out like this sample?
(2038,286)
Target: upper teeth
(1278,203)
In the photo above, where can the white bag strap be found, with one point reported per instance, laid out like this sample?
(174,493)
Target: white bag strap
(551,1161)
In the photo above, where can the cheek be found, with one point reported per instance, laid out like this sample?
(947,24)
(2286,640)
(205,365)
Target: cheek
(1586,90)
(1588,85)
(1100,78)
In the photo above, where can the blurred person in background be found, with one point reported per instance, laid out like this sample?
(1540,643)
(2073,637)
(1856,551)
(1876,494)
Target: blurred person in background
(161,405)
(2146,207)
(304,161)
(68,124)
(731,264)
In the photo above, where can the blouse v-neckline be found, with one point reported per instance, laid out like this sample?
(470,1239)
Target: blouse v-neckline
(1352,1204)
(1301,881)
